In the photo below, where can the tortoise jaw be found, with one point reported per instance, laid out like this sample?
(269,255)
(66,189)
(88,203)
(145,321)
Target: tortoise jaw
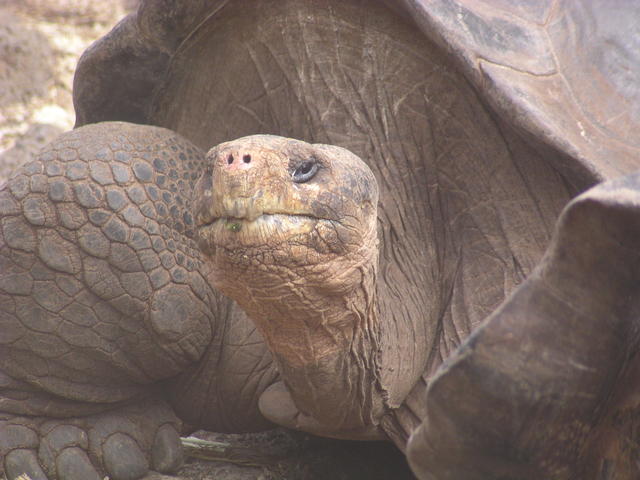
(236,224)
(248,209)
(264,231)
(241,209)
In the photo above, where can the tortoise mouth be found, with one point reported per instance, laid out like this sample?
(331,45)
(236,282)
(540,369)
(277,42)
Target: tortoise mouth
(236,224)
(265,231)
(247,210)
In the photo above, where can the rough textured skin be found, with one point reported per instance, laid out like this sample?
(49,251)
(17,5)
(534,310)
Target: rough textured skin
(124,443)
(476,148)
(103,295)
(95,248)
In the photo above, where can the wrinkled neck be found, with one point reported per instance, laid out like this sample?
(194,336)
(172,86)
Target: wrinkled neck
(322,326)
(330,361)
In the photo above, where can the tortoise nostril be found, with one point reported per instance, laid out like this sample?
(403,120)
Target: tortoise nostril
(246,159)
(230,159)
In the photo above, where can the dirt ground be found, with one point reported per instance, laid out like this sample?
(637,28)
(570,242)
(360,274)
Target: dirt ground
(40,43)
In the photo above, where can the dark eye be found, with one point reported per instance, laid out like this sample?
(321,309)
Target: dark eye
(305,171)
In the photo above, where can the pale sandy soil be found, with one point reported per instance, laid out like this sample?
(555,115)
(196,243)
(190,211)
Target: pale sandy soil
(40,43)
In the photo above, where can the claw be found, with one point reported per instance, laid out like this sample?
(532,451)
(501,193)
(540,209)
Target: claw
(123,458)
(166,453)
(20,463)
(73,464)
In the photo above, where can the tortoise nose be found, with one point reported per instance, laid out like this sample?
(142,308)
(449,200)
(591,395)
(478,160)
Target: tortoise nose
(237,160)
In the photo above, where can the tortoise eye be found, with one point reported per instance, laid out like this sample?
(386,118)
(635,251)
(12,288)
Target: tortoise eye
(305,171)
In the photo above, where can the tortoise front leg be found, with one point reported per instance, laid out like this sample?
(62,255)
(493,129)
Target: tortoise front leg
(548,386)
(101,299)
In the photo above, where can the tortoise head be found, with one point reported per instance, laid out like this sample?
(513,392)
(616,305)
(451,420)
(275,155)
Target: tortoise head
(272,208)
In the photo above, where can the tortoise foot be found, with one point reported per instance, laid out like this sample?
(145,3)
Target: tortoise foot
(123,444)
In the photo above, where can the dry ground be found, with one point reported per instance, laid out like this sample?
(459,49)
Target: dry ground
(40,43)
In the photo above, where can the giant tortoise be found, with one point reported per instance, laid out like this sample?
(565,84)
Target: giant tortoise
(430,262)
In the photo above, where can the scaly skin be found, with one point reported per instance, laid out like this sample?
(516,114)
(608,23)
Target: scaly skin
(102,297)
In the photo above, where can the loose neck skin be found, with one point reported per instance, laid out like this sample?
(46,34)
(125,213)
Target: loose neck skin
(330,364)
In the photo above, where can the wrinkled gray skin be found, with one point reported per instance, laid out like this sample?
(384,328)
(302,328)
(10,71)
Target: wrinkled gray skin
(515,324)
